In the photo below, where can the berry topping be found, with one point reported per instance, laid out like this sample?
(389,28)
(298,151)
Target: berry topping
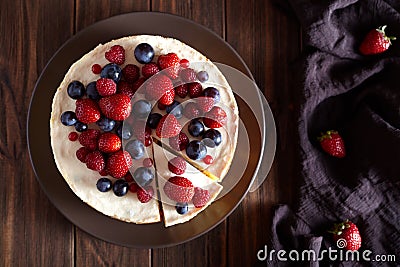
(111,71)
(116,107)
(76,90)
(179,142)
(196,128)
(141,130)
(109,142)
(135,148)
(212,138)
(147,162)
(116,54)
(201,197)
(106,124)
(143,176)
(131,73)
(205,104)
(144,53)
(141,109)
(168,127)
(196,150)
(73,136)
(208,159)
(95,161)
(80,126)
(106,86)
(188,75)
(103,172)
(91,91)
(376,42)
(349,232)
(177,165)
(333,144)
(213,93)
(103,184)
(153,120)
(96,68)
(89,138)
(195,89)
(184,63)
(175,109)
(148,141)
(215,118)
(150,69)
(133,187)
(120,188)
(126,88)
(81,153)
(182,208)
(202,76)
(68,118)
(160,88)
(145,194)
(128,177)
(119,163)
(181,90)
(179,189)
(161,106)
(170,63)
(87,110)
(191,110)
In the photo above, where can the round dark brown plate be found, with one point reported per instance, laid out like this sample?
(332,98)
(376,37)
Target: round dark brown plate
(81,214)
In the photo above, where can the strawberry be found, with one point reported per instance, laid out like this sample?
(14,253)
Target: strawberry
(179,189)
(348,232)
(87,110)
(168,126)
(332,143)
(160,88)
(179,142)
(118,164)
(191,110)
(181,90)
(215,118)
(116,54)
(376,42)
(81,153)
(150,69)
(145,194)
(170,63)
(177,165)
(188,75)
(89,138)
(195,89)
(201,197)
(131,73)
(106,86)
(109,142)
(205,104)
(116,107)
(125,88)
(95,161)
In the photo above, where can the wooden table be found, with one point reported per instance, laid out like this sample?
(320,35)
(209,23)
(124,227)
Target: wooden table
(34,233)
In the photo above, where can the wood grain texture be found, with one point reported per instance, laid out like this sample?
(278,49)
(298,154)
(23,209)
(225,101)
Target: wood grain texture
(28,236)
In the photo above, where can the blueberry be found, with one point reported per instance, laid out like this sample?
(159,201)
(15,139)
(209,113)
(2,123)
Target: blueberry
(202,76)
(213,93)
(80,126)
(182,208)
(76,89)
(196,150)
(153,120)
(103,184)
(144,53)
(212,138)
(120,188)
(91,91)
(68,118)
(175,109)
(196,128)
(124,131)
(141,109)
(143,176)
(106,124)
(135,148)
(111,71)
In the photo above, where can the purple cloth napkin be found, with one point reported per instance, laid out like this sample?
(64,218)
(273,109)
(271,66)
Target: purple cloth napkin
(360,97)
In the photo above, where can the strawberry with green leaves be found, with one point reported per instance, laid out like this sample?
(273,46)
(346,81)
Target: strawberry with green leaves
(332,143)
(349,233)
(376,42)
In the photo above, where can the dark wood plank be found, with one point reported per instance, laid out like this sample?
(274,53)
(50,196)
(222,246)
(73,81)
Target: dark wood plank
(91,251)
(209,249)
(32,232)
(269,42)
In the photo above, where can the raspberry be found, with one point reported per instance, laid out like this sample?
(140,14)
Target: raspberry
(147,162)
(125,88)
(145,194)
(89,138)
(96,68)
(191,111)
(128,177)
(201,197)
(116,54)
(149,69)
(118,164)
(136,85)
(205,104)
(177,165)
(179,189)
(208,159)
(179,142)
(95,161)
(131,73)
(106,86)
(188,75)
(73,136)
(81,154)
(195,89)
(103,172)
(215,118)
(87,110)
(184,63)
(181,90)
